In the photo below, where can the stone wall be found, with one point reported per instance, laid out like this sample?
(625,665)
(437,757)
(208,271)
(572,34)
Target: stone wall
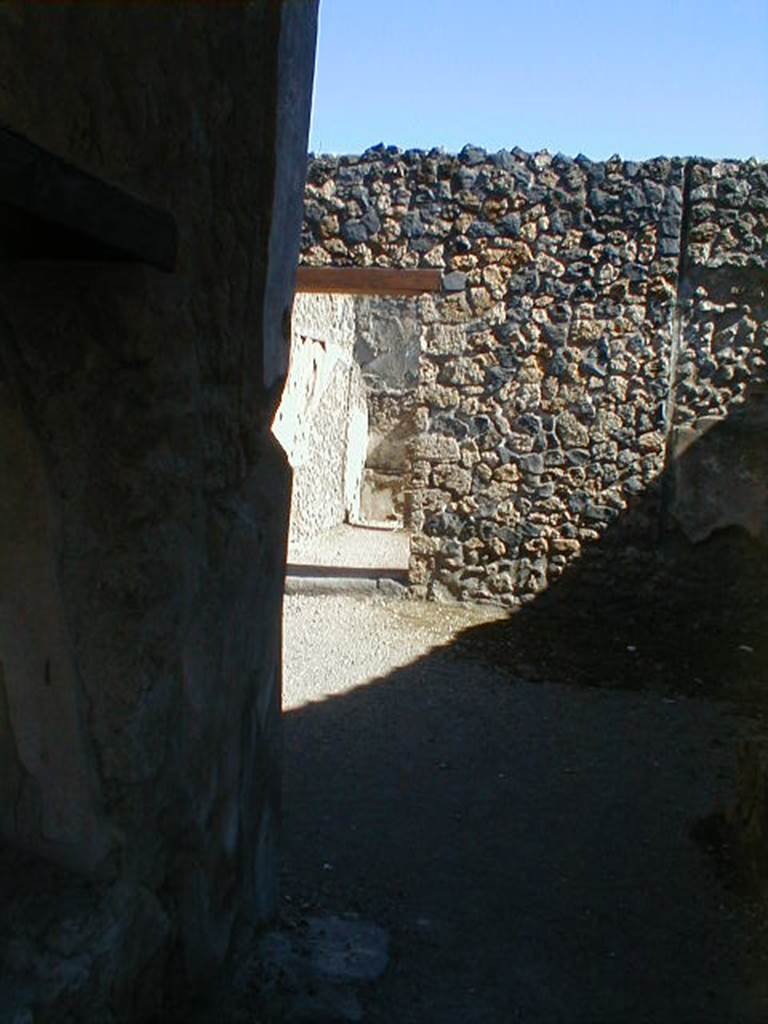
(564,347)
(144,507)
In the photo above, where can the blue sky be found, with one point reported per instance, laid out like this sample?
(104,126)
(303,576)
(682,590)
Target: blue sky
(637,77)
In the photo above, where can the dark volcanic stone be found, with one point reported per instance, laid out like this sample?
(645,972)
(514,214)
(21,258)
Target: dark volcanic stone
(509,225)
(412,226)
(423,243)
(464,179)
(555,334)
(353,232)
(455,281)
(481,229)
(444,524)
(472,155)
(371,222)
(533,463)
(668,246)
(503,159)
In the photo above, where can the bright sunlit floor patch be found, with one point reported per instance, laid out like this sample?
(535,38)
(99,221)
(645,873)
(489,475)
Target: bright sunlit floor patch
(334,644)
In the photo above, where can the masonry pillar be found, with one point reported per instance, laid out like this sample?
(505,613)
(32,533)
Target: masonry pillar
(144,504)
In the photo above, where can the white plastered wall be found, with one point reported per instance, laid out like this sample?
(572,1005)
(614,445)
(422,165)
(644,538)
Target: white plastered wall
(322,421)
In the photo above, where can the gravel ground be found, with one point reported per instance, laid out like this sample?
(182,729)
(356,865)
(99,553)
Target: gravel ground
(526,844)
(336,643)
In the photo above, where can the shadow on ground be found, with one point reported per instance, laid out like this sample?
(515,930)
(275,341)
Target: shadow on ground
(527,845)
(521,807)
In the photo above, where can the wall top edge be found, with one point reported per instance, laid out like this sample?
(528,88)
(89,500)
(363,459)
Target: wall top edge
(471,155)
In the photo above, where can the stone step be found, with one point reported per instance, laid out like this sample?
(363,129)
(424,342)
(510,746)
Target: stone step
(320,580)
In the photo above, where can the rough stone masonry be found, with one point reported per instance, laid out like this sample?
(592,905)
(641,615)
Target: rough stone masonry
(597,319)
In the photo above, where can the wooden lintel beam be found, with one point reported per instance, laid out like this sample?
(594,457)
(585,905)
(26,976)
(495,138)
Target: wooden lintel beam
(367,280)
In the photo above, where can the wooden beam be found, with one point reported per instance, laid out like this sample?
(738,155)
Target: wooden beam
(50,209)
(367,280)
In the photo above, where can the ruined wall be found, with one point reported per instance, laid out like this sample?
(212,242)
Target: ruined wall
(544,365)
(144,507)
(552,369)
(322,421)
(718,468)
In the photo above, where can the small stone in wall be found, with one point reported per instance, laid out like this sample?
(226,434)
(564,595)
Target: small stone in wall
(329,225)
(453,478)
(533,463)
(454,282)
(496,547)
(463,262)
(470,454)
(434,448)
(650,442)
(434,499)
(424,546)
(530,371)
(336,247)
(495,279)
(481,299)
(455,309)
(571,432)
(362,255)
(462,372)
(440,397)
(445,339)
(585,332)
(507,474)
(353,232)
(435,257)
(317,256)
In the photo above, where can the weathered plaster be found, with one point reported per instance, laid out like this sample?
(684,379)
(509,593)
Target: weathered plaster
(322,421)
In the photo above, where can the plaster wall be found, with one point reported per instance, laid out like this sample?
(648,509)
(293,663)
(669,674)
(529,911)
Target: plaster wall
(322,421)
(718,477)
(144,507)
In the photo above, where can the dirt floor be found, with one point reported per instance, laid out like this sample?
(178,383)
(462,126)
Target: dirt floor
(353,547)
(517,801)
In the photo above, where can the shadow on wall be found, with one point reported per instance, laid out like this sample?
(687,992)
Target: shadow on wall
(690,616)
(530,845)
